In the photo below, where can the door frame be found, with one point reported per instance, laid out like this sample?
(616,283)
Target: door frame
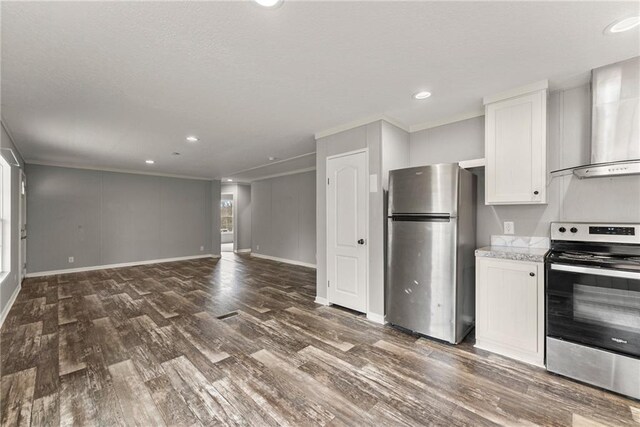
(366,225)
(234,198)
(22,179)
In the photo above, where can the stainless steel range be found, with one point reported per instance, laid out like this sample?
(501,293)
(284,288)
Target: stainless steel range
(593,304)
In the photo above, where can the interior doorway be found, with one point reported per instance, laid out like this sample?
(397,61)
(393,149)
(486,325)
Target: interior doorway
(227,223)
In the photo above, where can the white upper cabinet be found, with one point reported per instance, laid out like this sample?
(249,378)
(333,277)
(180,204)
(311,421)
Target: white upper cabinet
(516,146)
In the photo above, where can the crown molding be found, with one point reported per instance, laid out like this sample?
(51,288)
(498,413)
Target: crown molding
(70,166)
(357,123)
(447,120)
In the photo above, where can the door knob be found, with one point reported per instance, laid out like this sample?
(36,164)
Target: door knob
(532,274)
(361,241)
(536,192)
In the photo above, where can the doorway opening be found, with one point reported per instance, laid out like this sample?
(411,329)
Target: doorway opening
(227,226)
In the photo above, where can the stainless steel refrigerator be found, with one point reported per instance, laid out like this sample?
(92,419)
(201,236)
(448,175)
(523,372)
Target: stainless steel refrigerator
(430,283)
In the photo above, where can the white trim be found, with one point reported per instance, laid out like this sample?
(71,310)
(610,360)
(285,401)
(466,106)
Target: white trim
(95,168)
(7,308)
(321,301)
(272,163)
(473,163)
(376,318)
(518,91)
(367,232)
(357,123)
(447,120)
(3,122)
(284,260)
(349,153)
(309,169)
(242,251)
(119,265)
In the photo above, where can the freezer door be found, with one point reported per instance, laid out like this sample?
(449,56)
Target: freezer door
(425,189)
(421,275)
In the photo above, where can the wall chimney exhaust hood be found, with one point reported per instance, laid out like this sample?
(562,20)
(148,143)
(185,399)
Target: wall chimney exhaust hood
(615,126)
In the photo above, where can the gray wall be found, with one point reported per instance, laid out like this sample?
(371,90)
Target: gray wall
(104,218)
(283,217)
(10,283)
(241,214)
(377,137)
(244,217)
(570,199)
(215,217)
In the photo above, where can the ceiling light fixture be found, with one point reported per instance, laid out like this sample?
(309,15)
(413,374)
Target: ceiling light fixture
(269,3)
(229,180)
(422,95)
(192,138)
(271,158)
(149,162)
(621,25)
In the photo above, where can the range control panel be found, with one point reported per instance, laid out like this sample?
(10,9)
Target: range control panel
(595,232)
(614,231)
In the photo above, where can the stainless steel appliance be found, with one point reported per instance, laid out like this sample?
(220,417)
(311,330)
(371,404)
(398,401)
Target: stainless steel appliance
(593,304)
(430,287)
(615,127)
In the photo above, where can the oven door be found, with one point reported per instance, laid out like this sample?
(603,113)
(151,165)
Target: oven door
(594,306)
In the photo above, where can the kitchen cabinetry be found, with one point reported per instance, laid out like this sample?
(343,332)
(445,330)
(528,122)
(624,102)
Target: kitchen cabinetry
(516,146)
(510,308)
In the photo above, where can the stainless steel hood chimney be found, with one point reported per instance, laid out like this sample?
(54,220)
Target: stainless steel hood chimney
(615,126)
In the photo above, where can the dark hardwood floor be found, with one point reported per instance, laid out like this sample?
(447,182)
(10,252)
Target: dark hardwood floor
(240,341)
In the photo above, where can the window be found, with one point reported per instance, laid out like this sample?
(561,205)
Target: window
(226,213)
(5,215)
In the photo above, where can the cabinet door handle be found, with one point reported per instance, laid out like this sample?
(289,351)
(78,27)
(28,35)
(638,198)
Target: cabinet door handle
(536,192)
(532,274)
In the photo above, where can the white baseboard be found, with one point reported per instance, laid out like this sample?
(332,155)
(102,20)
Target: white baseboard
(120,265)
(243,251)
(5,311)
(377,318)
(286,261)
(322,301)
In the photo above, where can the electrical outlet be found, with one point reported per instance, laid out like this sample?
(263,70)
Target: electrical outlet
(257,247)
(509,227)
(201,248)
(71,260)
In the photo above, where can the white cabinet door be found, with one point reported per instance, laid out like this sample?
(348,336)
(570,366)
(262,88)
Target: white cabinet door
(515,149)
(510,309)
(347,212)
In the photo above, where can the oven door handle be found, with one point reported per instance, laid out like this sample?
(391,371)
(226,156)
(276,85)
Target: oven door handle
(596,271)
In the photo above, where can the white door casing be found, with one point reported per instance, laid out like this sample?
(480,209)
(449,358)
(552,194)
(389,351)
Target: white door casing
(22,224)
(347,230)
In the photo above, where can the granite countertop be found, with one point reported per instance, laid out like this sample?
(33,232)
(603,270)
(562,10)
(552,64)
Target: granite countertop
(513,253)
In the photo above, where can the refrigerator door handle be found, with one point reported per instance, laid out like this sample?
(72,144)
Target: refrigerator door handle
(422,218)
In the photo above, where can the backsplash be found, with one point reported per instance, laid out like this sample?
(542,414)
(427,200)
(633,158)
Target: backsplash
(521,241)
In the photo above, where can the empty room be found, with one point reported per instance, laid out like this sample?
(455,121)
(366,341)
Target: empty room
(333,213)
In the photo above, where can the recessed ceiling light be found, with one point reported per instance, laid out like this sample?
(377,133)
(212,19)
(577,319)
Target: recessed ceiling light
(422,95)
(271,158)
(269,3)
(149,162)
(229,180)
(621,25)
(175,153)
(192,138)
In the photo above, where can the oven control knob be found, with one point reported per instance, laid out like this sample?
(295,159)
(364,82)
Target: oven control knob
(562,229)
(574,230)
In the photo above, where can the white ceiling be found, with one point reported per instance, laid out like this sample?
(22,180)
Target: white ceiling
(110,84)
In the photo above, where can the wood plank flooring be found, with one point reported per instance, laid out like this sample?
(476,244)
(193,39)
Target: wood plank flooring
(239,341)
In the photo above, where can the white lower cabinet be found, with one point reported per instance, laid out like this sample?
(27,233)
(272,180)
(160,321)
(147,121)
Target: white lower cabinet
(510,308)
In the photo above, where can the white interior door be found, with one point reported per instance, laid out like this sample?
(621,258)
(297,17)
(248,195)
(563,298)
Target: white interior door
(347,211)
